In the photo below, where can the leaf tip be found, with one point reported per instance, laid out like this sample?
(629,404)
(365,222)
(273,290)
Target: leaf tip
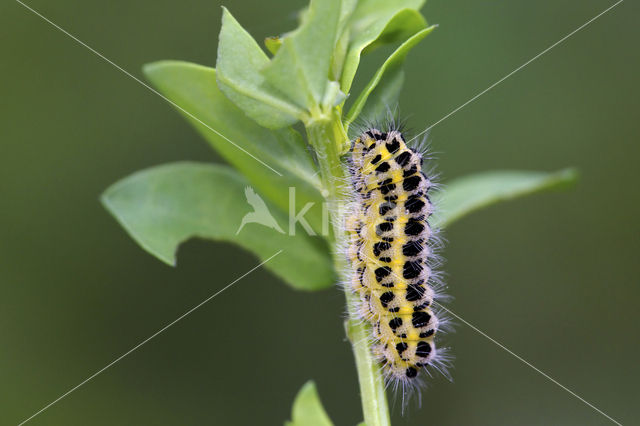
(150,68)
(308,409)
(309,386)
(565,178)
(226,15)
(105,200)
(571,175)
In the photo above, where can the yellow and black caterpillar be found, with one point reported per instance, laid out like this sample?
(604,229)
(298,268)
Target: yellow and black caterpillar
(389,251)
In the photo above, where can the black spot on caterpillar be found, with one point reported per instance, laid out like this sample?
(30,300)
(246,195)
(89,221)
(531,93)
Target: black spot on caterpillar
(389,253)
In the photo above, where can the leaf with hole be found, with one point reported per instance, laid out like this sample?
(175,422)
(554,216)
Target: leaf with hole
(163,206)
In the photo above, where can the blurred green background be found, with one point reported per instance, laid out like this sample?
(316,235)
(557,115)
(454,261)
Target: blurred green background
(554,277)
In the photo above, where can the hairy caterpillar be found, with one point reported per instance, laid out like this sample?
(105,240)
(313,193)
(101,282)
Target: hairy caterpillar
(390,249)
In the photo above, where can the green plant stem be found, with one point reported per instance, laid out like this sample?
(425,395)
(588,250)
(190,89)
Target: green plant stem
(327,136)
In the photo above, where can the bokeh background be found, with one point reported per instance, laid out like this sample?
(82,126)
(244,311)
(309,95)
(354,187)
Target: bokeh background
(554,277)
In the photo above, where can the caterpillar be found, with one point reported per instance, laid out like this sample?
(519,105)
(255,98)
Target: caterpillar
(390,250)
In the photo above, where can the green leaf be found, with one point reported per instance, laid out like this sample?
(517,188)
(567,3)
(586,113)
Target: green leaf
(166,205)
(470,193)
(385,85)
(273,161)
(375,22)
(339,55)
(346,11)
(307,408)
(368,12)
(300,68)
(240,60)
(405,24)
(273,44)
(344,36)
